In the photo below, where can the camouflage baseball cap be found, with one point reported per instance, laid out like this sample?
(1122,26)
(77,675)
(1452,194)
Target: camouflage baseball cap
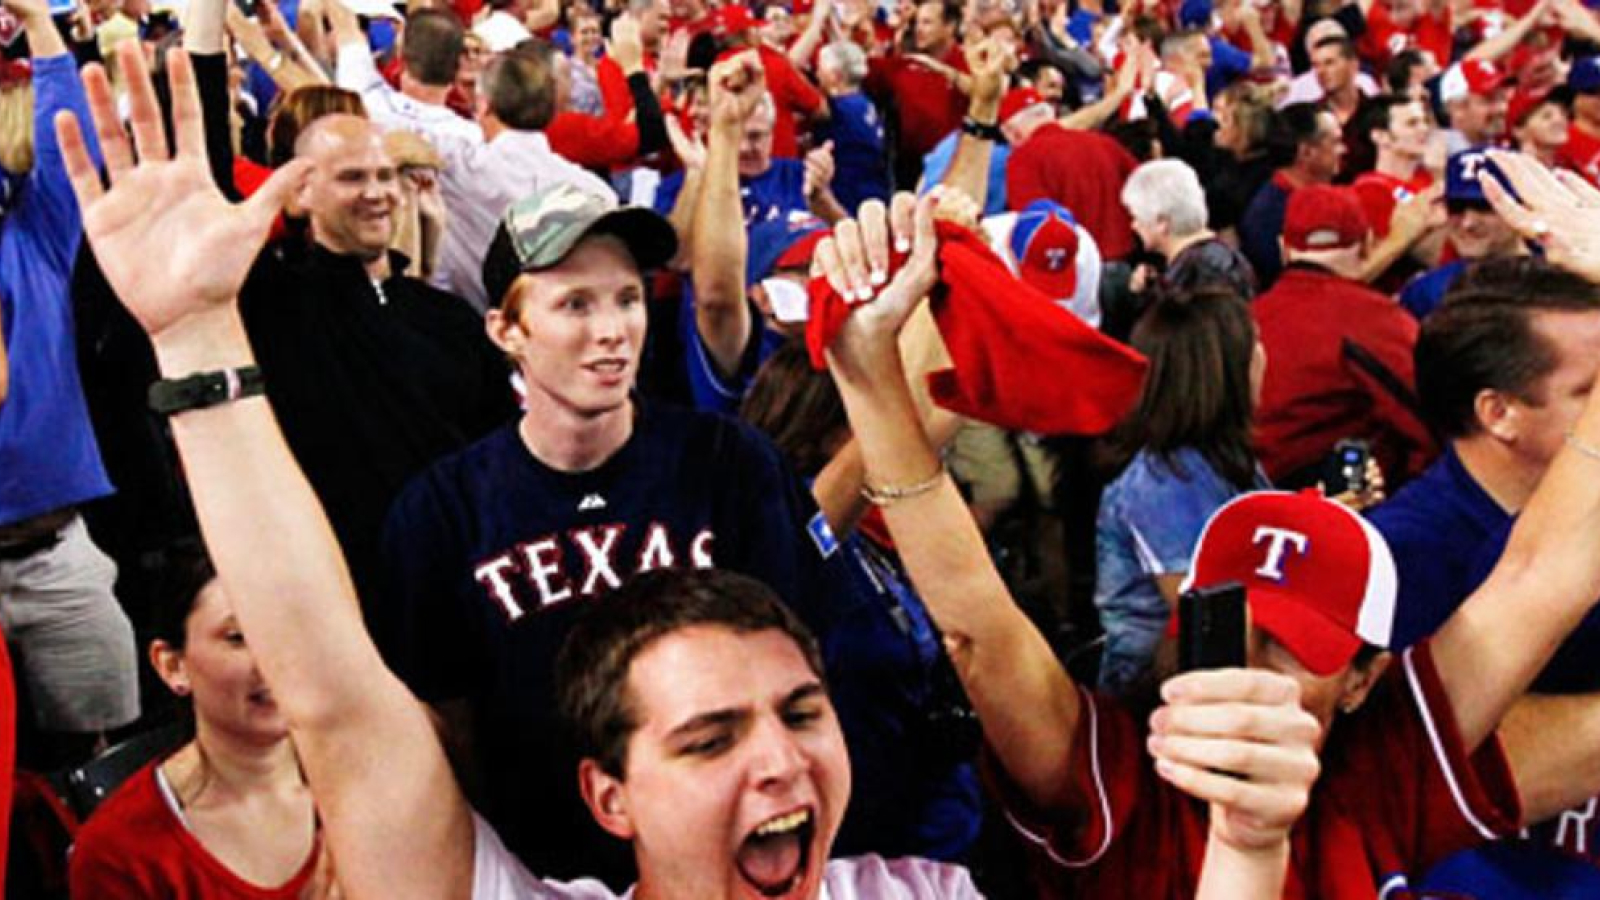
(539,230)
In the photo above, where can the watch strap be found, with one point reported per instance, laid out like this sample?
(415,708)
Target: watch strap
(175,395)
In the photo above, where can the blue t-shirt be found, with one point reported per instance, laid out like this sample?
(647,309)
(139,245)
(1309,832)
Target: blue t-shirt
(1259,229)
(48,455)
(1423,294)
(860,164)
(779,191)
(921,802)
(938,160)
(1150,519)
(712,390)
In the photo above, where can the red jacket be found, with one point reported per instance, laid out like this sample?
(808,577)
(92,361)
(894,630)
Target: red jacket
(1338,365)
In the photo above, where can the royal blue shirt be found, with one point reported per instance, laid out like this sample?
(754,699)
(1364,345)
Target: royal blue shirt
(48,455)
(711,389)
(1228,64)
(860,165)
(778,191)
(1423,294)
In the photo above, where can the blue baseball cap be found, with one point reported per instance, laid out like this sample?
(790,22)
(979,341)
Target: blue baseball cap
(782,243)
(1464,175)
(1584,78)
(1195,13)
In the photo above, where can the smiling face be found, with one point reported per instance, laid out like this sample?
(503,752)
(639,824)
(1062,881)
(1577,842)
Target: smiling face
(1544,128)
(736,777)
(576,331)
(216,669)
(1408,133)
(353,189)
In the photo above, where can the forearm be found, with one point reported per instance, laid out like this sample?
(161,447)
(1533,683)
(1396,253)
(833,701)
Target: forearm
(1234,874)
(648,117)
(825,205)
(682,216)
(969,169)
(44,40)
(1385,254)
(1261,52)
(1027,704)
(1553,775)
(1492,48)
(717,254)
(1545,582)
(1095,114)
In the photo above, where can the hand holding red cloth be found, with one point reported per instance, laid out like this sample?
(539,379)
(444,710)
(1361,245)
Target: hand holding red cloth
(1020,361)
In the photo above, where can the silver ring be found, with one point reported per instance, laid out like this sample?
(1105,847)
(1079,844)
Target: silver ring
(1540,228)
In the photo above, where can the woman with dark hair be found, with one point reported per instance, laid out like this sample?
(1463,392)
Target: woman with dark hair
(228,814)
(1183,452)
(922,741)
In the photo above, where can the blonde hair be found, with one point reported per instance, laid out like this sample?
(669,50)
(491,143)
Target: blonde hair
(16,129)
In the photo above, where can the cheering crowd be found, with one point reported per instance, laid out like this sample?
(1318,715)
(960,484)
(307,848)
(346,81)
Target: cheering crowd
(653,448)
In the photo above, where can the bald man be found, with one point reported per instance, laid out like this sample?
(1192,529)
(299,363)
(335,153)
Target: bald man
(374,374)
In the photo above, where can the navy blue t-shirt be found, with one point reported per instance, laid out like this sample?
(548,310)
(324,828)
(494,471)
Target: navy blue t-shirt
(1259,229)
(776,192)
(491,554)
(860,163)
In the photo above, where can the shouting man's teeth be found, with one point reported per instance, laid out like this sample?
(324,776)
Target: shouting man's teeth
(784,823)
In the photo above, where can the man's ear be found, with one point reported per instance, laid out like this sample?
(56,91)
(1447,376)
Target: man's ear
(607,799)
(1360,680)
(504,330)
(1496,415)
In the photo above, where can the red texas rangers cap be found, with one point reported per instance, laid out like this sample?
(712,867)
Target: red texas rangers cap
(1323,217)
(734,18)
(1044,240)
(1018,99)
(1319,579)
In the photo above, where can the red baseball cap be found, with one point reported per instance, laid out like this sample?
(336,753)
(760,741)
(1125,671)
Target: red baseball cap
(1044,240)
(1018,99)
(1523,103)
(1472,76)
(1318,578)
(1323,217)
(734,18)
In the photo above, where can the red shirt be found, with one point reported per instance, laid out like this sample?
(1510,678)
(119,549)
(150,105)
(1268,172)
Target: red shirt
(1582,153)
(1317,329)
(930,107)
(604,141)
(1384,38)
(135,846)
(1081,170)
(1398,793)
(793,96)
(1380,193)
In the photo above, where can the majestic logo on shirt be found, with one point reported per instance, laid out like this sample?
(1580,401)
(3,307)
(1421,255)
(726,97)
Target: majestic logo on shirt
(583,562)
(591,501)
(1281,539)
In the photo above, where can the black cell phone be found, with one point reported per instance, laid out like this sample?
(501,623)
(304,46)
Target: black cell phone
(1211,628)
(1346,467)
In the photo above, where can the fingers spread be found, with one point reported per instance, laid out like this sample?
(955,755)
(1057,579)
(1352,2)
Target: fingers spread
(114,146)
(188,126)
(80,170)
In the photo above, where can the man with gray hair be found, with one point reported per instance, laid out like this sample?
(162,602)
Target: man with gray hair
(1168,207)
(860,165)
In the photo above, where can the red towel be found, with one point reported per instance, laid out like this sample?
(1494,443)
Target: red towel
(1021,362)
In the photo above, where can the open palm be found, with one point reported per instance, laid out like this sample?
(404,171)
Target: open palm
(170,244)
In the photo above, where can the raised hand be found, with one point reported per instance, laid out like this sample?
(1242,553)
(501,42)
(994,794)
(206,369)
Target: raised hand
(171,246)
(819,169)
(989,61)
(737,85)
(690,150)
(625,45)
(1238,739)
(857,259)
(1558,209)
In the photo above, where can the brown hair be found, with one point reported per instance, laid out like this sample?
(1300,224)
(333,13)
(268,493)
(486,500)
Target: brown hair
(432,46)
(520,86)
(16,129)
(1197,393)
(296,110)
(592,670)
(797,406)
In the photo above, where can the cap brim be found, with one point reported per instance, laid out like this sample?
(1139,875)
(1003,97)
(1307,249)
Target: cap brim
(1318,643)
(1055,285)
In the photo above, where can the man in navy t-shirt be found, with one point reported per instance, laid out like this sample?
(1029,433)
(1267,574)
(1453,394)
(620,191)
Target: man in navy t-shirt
(1503,368)
(493,552)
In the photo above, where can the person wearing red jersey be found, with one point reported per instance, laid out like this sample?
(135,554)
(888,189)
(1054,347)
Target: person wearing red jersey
(1411,767)
(1396,25)
(1582,151)
(1090,186)
(1400,129)
(794,98)
(928,103)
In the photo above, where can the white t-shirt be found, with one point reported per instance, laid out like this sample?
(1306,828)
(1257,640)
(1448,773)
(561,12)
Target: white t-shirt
(497,875)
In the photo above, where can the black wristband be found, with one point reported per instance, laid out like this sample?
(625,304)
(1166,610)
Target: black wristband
(176,395)
(981,130)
